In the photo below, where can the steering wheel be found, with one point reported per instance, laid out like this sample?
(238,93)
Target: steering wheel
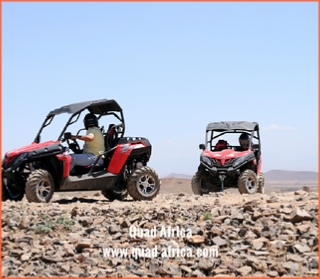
(74,145)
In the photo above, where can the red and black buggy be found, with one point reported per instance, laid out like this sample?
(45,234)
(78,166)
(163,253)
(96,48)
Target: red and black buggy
(224,165)
(42,168)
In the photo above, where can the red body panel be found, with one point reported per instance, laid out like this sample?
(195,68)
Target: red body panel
(121,155)
(66,158)
(227,155)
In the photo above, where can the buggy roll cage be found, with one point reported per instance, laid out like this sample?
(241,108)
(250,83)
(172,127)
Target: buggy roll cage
(101,107)
(231,127)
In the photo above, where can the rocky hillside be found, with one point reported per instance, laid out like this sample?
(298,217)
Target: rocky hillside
(178,235)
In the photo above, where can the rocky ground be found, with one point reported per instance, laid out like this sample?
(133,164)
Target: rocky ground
(178,235)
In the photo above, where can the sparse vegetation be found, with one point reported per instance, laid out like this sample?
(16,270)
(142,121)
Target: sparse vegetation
(49,224)
(207,215)
(137,210)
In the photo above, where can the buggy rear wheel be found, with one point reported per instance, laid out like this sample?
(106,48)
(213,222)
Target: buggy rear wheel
(39,186)
(260,183)
(247,182)
(199,184)
(112,194)
(144,184)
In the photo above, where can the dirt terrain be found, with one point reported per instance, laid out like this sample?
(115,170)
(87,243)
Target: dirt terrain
(175,235)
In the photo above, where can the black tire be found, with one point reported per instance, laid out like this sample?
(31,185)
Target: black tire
(5,194)
(144,184)
(15,194)
(39,186)
(247,182)
(112,194)
(261,183)
(199,184)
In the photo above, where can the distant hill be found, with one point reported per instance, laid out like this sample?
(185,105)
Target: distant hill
(178,175)
(273,175)
(278,175)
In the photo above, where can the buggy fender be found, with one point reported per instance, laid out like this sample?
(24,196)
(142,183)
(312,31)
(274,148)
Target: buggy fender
(15,158)
(35,148)
(121,155)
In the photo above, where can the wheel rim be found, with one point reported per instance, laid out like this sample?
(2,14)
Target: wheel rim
(146,184)
(43,189)
(250,184)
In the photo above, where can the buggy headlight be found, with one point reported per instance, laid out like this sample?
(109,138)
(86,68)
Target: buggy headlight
(239,161)
(206,160)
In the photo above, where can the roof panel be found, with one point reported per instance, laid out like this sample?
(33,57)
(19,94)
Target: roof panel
(233,125)
(97,106)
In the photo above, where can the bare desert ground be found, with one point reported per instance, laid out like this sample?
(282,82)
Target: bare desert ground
(84,235)
(79,234)
(183,185)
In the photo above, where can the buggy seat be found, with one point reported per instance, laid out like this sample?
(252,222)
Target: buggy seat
(111,137)
(110,141)
(220,145)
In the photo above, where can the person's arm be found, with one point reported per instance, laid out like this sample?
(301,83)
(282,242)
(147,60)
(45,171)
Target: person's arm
(88,137)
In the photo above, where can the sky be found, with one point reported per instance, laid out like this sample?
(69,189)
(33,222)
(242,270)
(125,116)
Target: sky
(173,68)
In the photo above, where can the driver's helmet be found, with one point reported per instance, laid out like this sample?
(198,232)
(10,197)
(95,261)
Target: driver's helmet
(244,140)
(90,120)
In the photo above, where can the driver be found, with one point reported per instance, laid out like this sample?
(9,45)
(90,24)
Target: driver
(93,144)
(244,141)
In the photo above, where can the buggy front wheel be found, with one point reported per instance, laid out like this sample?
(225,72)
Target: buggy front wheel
(199,184)
(144,184)
(247,182)
(39,186)
(112,194)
